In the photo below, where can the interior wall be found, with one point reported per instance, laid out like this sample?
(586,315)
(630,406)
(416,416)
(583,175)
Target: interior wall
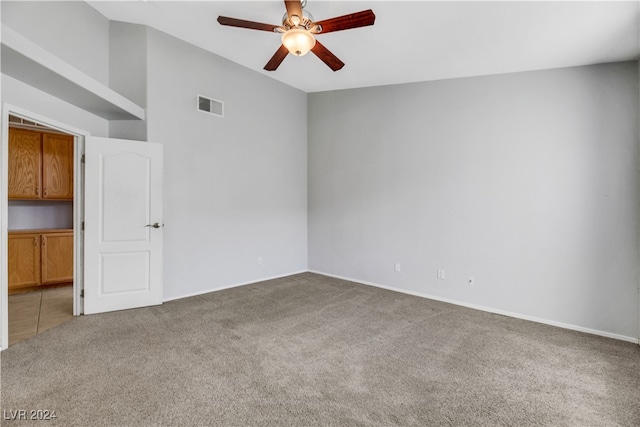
(33,215)
(77,34)
(128,75)
(71,30)
(526,182)
(34,100)
(235,187)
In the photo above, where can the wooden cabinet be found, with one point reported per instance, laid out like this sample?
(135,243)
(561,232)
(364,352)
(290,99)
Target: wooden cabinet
(56,257)
(57,166)
(25,164)
(40,168)
(24,260)
(40,165)
(39,257)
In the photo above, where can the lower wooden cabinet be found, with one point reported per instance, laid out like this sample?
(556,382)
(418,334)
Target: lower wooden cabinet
(39,257)
(56,258)
(24,260)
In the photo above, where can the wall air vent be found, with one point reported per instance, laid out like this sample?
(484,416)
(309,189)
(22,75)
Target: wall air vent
(210,106)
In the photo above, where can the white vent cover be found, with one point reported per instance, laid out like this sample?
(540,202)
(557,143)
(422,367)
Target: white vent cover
(211,106)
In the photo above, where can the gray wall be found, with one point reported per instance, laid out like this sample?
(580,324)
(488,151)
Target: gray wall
(235,187)
(76,33)
(528,182)
(30,215)
(128,74)
(71,30)
(36,101)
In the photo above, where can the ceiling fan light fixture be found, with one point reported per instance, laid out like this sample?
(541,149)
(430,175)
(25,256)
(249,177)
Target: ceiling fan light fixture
(298,41)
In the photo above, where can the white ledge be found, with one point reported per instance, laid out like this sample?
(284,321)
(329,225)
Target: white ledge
(26,61)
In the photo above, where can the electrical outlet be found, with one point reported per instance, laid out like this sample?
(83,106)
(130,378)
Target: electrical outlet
(260,260)
(440,274)
(396,267)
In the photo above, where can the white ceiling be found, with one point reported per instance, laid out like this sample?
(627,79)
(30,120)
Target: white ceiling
(410,41)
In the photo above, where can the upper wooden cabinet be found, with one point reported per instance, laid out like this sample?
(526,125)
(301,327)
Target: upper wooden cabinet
(40,165)
(25,164)
(57,166)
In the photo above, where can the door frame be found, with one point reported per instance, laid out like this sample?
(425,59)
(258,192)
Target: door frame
(78,210)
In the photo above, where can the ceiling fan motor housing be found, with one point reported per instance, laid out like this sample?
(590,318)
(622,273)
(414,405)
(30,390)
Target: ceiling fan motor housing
(305,21)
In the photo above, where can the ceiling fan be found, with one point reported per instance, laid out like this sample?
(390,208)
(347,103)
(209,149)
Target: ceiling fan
(298,29)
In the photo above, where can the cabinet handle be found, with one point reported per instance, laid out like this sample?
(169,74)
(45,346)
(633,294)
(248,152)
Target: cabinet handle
(44,240)
(35,241)
(44,191)
(37,191)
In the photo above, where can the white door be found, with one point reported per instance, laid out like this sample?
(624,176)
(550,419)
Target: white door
(123,224)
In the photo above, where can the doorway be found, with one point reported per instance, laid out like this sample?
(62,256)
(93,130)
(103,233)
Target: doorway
(40,228)
(41,245)
(123,248)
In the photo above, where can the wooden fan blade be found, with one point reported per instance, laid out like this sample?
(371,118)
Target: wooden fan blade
(346,22)
(277,59)
(327,57)
(241,23)
(294,7)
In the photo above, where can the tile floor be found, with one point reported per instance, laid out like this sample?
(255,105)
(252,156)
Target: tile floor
(32,313)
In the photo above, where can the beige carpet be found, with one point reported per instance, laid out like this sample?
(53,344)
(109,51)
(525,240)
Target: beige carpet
(312,350)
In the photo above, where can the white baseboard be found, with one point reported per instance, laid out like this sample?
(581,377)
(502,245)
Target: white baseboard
(206,291)
(489,309)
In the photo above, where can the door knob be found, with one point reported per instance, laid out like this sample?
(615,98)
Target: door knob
(155,225)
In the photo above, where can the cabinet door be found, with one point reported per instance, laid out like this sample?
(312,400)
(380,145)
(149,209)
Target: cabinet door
(57,257)
(23,260)
(57,166)
(25,164)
